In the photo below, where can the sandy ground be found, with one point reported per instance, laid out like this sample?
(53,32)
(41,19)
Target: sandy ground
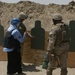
(30,69)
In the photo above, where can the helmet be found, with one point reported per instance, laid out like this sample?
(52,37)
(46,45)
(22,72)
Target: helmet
(15,21)
(22,15)
(57,17)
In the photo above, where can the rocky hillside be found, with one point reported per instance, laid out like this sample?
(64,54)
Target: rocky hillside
(36,12)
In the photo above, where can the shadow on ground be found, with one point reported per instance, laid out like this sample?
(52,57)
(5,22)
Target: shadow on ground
(30,68)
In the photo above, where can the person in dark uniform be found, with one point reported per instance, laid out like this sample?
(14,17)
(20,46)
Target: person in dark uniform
(12,41)
(22,16)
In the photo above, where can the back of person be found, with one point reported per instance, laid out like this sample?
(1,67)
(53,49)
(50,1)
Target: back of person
(61,43)
(58,45)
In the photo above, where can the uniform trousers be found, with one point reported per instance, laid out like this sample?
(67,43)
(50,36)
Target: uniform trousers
(14,62)
(62,54)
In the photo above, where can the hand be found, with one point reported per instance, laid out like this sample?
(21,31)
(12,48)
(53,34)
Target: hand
(50,53)
(32,37)
(25,33)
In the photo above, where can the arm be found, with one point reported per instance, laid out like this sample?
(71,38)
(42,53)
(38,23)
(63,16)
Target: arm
(30,35)
(17,35)
(51,43)
(52,39)
(22,29)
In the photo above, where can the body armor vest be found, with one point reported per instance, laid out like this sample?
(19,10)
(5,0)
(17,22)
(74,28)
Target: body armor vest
(10,42)
(61,34)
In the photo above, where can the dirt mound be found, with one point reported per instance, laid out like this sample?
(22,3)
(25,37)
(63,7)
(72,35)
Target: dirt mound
(36,11)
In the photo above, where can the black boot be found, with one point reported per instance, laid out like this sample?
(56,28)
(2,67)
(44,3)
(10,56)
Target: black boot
(49,72)
(63,71)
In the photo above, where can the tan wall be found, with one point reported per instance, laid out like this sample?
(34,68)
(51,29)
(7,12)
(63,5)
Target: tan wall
(3,55)
(36,56)
(71,59)
(32,55)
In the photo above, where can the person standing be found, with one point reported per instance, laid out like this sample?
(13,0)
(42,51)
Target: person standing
(58,45)
(22,16)
(12,41)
